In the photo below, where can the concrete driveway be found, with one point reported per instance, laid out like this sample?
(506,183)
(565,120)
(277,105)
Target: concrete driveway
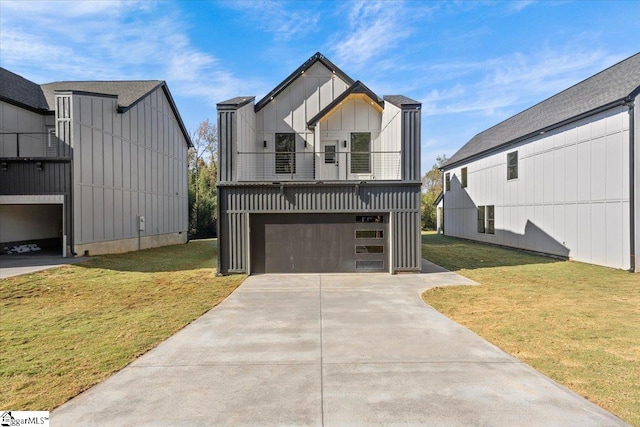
(335,350)
(15,265)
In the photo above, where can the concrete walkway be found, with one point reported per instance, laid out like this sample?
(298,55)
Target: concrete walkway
(335,350)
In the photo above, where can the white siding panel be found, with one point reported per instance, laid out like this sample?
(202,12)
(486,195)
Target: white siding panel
(598,233)
(570,198)
(598,171)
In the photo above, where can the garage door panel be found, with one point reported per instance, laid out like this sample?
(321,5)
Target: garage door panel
(313,243)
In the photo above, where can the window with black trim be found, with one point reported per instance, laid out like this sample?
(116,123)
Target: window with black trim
(463,178)
(486,219)
(285,153)
(360,152)
(490,220)
(512,165)
(480,219)
(447,181)
(369,234)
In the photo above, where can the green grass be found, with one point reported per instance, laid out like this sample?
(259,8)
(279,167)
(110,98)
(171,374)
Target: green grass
(577,323)
(65,329)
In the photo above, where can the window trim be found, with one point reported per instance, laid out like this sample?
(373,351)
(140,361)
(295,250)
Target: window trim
(447,181)
(360,155)
(490,218)
(463,177)
(512,155)
(481,220)
(290,166)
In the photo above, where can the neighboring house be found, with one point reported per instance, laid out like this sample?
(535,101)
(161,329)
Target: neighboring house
(439,204)
(91,167)
(321,175)
(560,177)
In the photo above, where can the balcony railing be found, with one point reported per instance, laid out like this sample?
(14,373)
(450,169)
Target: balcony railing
(319,166)
(32,145)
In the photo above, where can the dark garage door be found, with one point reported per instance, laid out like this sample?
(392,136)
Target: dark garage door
(319,243)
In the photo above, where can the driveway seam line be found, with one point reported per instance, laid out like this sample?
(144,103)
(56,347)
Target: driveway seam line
(321,353)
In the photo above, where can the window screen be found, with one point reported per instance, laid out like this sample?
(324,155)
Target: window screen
(285,153)
(360,153)
(512,165)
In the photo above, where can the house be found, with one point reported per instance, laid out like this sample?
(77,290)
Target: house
(320,175)
(91,167)
(439,204)
(559,178)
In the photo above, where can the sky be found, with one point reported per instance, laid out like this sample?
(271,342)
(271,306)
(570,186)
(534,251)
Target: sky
(472,64)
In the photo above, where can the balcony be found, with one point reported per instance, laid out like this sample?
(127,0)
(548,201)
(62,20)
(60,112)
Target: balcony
(32,146)
(265,166)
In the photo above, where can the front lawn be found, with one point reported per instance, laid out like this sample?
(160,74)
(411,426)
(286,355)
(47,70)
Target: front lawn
(65,329)
(577,323)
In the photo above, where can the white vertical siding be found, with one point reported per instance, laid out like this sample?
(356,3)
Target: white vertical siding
(571,197)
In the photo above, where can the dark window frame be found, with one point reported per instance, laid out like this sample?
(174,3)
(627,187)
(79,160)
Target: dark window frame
(463,177)
(360,160)
(490,215)
(447,181)
(512,165)
(285,160)
(481,219)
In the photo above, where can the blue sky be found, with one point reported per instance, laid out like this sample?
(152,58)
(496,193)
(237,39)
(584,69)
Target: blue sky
(471,64)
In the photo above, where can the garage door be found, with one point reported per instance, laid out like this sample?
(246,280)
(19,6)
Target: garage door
(318,243)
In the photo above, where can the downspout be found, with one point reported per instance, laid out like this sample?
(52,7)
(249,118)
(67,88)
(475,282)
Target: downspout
(632,189)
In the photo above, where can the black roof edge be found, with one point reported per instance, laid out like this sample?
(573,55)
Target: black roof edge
(356,87)
(413,104)
(439,198)
(549,128)
(134,103)
(234,103)
(187,137)
(84,92)
(317,57)
(44,112)
(634,93)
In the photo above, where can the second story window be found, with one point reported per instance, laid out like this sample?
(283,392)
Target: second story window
(285,153)
(463,178)
(447,181)
(360,153)
(512,165)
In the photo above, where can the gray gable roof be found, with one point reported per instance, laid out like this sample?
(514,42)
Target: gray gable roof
(356,87)
(18,90)
(41,98)
(401,101)
(317,57)
(128,92)
(615,85)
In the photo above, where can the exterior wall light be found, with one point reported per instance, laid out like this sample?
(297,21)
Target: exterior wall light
(344,144)
(264,144)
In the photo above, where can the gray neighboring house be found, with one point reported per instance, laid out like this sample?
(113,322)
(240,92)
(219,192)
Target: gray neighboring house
(560,177)
(91,167)
(320,175)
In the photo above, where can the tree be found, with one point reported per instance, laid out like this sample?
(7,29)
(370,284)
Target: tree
(203,171)
(431,188)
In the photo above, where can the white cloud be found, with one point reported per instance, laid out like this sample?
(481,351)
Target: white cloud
(278,17)
(375,28)
(505,85)
(105,40)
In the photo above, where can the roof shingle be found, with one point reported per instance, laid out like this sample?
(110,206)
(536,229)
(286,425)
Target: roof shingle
(612,85)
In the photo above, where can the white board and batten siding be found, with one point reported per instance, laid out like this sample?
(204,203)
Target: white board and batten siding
(290,111)
(127,164)
(571,197)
